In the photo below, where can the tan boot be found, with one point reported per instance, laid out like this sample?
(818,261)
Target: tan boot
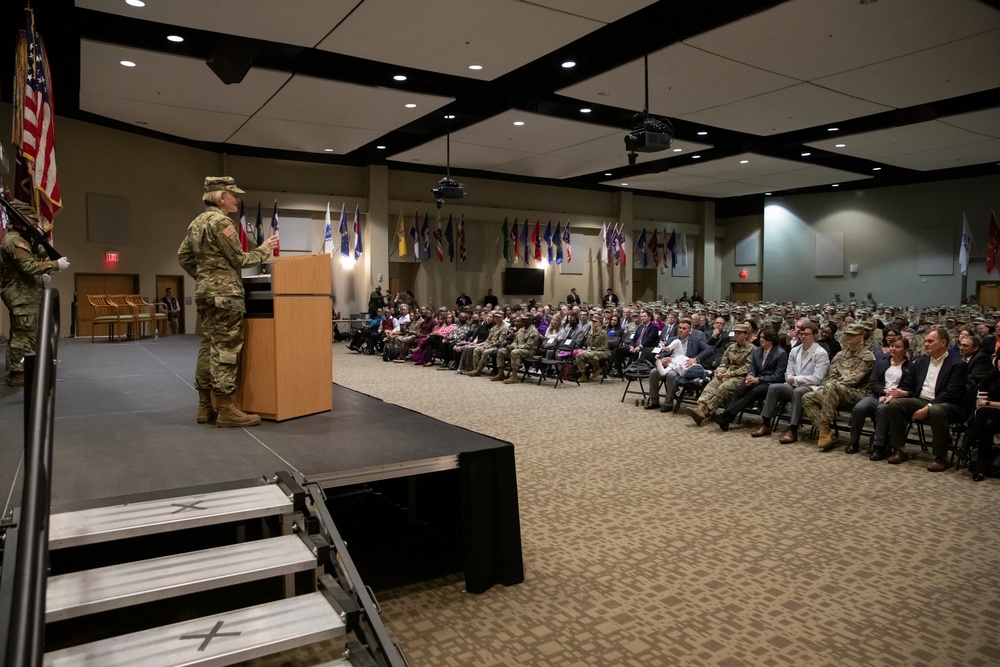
(230,415)
(498,377)
(16,379)
(826,438)
(474,374)
(206,413)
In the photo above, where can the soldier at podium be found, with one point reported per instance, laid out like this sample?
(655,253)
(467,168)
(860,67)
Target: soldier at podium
(211,254)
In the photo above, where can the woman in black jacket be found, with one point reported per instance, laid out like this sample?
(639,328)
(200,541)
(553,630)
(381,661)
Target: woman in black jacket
(882,388)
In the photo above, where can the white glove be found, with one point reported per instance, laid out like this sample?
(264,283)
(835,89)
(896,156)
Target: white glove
(63,263)
(46,279)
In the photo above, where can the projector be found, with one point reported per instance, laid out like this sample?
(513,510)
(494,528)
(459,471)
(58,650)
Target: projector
(448,189)
(649,136)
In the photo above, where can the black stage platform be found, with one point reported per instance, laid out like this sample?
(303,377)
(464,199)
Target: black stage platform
(125,425)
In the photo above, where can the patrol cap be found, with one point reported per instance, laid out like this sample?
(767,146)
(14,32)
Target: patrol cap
(855,329)
(745,328)
(214,183)
(26,210)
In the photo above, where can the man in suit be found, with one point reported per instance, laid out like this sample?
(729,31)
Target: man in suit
(683,356)
(173,309)
(645,336)
(573,299)
(979,364)
(767,366)
(669,331)
(935,392)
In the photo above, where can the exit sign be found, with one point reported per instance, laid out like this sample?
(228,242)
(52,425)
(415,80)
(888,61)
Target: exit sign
(110,256)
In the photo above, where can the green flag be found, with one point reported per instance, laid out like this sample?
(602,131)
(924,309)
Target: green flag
(505,237)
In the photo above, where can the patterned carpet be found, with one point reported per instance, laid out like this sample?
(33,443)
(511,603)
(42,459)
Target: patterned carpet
(650,541)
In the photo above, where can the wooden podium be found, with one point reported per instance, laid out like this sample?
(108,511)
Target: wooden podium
(286,368)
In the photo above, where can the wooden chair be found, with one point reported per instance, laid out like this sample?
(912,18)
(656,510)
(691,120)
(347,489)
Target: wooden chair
(127,313)
(104,313)
(146,313)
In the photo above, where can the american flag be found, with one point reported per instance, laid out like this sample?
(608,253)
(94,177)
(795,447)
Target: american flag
(34,125)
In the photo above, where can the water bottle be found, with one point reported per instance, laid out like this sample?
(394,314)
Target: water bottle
(156,333)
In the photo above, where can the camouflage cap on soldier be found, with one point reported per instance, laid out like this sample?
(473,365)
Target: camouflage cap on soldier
(26,210)
(855,329)
(745,328)
(214,183)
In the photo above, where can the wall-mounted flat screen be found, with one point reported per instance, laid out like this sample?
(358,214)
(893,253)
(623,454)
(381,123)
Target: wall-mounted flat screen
(529,282)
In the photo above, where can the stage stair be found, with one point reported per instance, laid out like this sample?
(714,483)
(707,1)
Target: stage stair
(283,580)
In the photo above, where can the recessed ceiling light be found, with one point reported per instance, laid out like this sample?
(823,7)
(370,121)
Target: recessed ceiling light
(519,123)
(568,64)
(835,185)
(328,150)
(607,173)
(128,63)
(381,148)
(411,105)
(175,38)
(839,145)
(624,183)
(832,129)
(806,154)
(876,168)
(449,116)
(585,110)
(135,3)
(744,161)
(678,150)
(399,77)
(702,133)
(695,157)
(476,67)
(768,194)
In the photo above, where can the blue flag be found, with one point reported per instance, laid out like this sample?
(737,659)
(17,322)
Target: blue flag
(274,229)
(524,243)
(345,243)
(260,227)
(548,239)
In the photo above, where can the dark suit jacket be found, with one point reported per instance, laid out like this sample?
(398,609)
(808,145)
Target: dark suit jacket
(645,337)
(989,345)
(876,385)
(573,299)
(696,347)
(950,385)
(979,367)
(774,369)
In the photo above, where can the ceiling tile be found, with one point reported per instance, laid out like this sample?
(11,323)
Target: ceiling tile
(986,122)
(804,178)
(677,82)
(463,156)
(194,124)
(348,105)
(158,78)
(298,136)
(807,39)
(919,137)
(730,169)
(664,181)
(299,22)
(952,156)
(959,68)
(450,35)
(539,134)
(785,110)
(598,10)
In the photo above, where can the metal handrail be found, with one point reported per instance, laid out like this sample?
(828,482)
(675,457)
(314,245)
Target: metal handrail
(26,630)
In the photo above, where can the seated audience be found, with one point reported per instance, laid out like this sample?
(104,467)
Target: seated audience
(767,367)
(728,377)
(882,388)
(588,361)
(985,425)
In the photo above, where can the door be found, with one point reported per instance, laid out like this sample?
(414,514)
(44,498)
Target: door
(176,284)
(988,294)
(98,283)
(643,285)
(746,292)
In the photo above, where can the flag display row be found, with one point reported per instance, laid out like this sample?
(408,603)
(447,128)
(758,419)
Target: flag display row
(424,238)
(526,242)
(252,236)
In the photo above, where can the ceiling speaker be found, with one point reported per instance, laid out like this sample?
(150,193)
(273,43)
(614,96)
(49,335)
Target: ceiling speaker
(232,58)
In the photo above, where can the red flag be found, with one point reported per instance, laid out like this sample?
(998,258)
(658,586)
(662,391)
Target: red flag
(243,229)
(34,126)
(991,248)
(536,238)
(517,242)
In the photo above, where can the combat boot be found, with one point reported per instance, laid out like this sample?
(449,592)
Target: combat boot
(475,373)
(230,415)
(826,438)
(206,413)
(16,379)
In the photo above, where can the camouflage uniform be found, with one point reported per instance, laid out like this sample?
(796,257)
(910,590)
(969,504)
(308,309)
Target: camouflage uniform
(21,271)
(211,254)
(736,362)
(481,355)
(525,344)
(846,384)
(596,352)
